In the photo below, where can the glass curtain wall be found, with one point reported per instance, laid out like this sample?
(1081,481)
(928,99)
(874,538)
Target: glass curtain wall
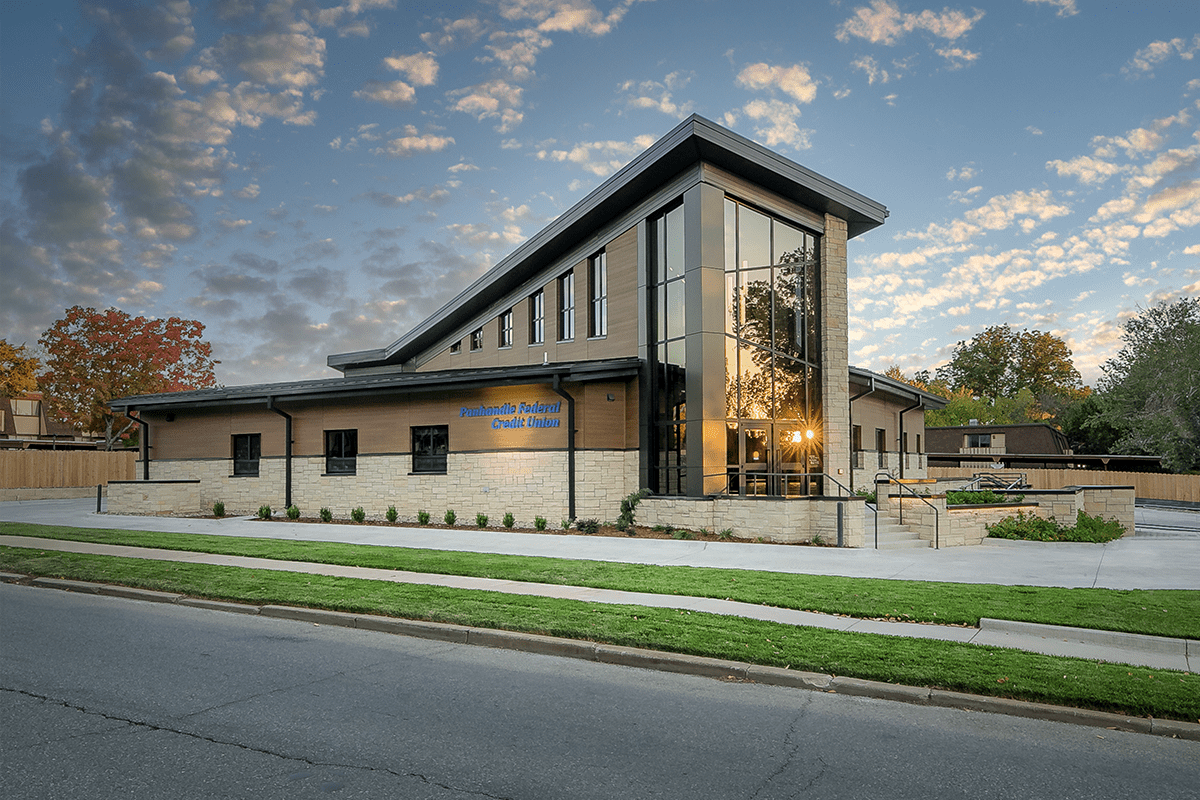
(772,355)
(668,474)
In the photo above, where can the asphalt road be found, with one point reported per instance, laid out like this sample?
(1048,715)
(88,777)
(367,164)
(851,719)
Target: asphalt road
(106,698)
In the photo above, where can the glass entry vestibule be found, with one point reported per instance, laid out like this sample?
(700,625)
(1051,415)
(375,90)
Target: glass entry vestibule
(772,355)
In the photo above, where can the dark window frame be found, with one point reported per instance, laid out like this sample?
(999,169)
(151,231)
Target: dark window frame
(341,451)
(476,340)
(537,317)
(504,330)
(247,453)
(566,307)
(598,295)
(430,448)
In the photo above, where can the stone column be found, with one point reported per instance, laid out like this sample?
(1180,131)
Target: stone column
(835,353)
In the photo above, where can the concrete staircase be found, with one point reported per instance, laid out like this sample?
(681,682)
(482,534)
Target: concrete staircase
(892,535)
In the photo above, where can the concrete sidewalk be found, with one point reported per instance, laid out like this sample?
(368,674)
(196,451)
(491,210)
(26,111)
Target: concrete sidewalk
(1148,651)
(1134,562)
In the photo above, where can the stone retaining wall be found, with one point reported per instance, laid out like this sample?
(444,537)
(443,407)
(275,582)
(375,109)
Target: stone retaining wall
(774,519)
(154,497)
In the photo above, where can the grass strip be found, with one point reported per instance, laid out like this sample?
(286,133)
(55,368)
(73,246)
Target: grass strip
(961,667)
(1154,612)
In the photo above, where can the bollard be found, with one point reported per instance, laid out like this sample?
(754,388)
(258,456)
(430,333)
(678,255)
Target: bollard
(99,495)
(841,537)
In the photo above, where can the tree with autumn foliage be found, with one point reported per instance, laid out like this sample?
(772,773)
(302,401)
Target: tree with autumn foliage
(18,370)
(93,357)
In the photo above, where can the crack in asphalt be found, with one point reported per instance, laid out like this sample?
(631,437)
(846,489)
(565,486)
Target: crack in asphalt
(133,723)
(792,750)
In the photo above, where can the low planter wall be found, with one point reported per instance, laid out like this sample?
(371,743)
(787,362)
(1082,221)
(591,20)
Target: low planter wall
(774,519)
(155,497)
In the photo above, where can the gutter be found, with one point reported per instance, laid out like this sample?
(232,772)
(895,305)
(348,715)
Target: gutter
(145,442)
(919,404)
(558,390)
(850,414)
(287,451)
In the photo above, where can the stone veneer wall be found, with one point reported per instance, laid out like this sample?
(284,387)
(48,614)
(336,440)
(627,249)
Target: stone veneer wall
(525,483)
(775,519)
(835,353)
(154,497)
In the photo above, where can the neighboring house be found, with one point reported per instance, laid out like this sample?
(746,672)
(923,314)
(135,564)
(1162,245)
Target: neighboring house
(1032,445)
(888,427)
(682,329)
(26,426)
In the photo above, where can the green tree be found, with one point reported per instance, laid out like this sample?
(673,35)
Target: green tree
(18,370)
(999,362)
(93,357)
(1150,391)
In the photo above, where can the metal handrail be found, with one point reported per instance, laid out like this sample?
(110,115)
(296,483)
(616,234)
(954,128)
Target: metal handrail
(937,515)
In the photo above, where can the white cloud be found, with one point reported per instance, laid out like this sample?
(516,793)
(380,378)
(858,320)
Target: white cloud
(794,81)
(658,96)
(1029,207)
(957,57)
(599,158)
(1066,8)
(421,69)
(389,93)
(1155,53)
(412,143)
(1086,169)
(872,69)
(778,123)
(883,23)
(495,99)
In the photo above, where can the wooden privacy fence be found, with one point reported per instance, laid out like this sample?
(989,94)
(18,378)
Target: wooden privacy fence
(1147,485)
(42,469)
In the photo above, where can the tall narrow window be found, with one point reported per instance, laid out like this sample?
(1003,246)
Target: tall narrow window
(477,339)
(341,452)
(430,444)
(598,295)
(566,307)
(537,317)
(247,447)
(504,332)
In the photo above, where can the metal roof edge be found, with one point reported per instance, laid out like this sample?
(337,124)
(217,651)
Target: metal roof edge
(899,387)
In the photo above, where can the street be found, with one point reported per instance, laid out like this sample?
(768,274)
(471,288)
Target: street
(107,698)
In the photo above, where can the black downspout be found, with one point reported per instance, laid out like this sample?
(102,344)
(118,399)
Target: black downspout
(287,451)
(558,390)
(850,414)
(145,445)
(903,452)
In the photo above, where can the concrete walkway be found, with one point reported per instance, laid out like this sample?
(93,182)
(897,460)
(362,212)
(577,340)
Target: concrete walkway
(1134,562)
(1128,563)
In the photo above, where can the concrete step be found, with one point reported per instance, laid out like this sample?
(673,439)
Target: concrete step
(893,536)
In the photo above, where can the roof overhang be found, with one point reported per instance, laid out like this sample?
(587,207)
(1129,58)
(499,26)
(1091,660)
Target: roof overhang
(867,382)
(383,385)
(693,141)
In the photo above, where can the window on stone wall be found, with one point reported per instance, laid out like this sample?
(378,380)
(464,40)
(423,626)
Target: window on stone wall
(430,444)
(247,447)
(341,452)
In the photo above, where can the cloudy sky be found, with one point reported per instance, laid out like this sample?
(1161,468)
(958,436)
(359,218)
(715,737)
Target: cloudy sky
(308,178)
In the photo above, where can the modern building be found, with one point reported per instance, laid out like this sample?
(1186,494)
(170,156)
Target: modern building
(1031,445)
(682,329)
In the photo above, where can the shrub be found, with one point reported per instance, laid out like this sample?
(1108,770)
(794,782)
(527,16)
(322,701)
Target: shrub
(566,523)
(218,509)
(423,517)
(588,525)
(449,517)
(628,506)
(871,496)
(392,514)
(1033,528)
(264,512)
(509,519)
(325,514)
(817,539)
(725,535)
(481,520)
(539,523)
(293,511)
(682,534)
(358,515)
(984,497)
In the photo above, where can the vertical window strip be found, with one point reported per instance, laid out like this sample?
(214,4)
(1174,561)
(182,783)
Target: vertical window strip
(537,317)
(506,329)
(598,282)
(566,307)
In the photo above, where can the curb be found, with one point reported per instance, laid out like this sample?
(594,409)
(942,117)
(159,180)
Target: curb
(682,663)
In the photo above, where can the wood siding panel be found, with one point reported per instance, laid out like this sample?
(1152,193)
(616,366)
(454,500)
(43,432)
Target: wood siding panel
(45,469)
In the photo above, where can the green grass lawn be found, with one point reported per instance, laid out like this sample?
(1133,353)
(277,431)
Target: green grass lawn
(1158,612)
(969,668)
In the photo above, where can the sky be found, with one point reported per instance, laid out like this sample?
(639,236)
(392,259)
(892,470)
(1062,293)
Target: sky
(306,177)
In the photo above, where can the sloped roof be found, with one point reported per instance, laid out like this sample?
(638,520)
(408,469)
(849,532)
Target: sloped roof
(383,383)
(694,140)
(882,384)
